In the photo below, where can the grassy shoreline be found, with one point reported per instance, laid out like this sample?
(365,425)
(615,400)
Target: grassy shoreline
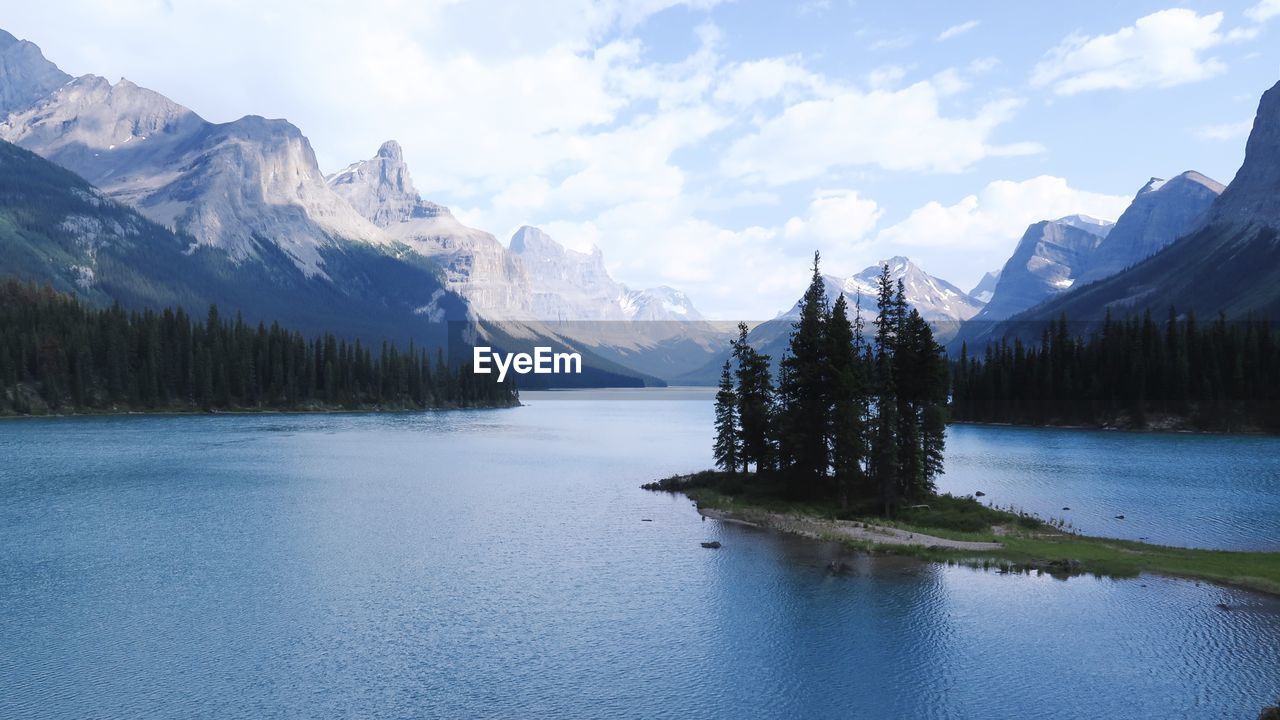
(1025,544)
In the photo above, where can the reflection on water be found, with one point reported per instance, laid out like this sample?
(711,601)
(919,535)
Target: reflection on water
(497,563)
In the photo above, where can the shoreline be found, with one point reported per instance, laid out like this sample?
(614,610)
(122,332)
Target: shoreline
(815,528)
(1113,428)
(248,412)
(1006,547)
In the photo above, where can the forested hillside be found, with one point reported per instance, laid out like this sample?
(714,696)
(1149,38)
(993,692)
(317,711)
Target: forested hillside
(56,355)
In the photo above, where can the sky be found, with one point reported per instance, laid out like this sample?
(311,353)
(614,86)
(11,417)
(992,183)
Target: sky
(712,145)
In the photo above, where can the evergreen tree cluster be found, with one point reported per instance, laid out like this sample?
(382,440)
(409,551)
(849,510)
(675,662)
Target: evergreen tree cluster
(1216,376)
(851,420)
(58,355)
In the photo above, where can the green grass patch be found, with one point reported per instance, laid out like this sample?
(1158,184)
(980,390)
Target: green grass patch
(1029,544)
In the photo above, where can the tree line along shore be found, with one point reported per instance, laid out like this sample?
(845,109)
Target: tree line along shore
(58,356)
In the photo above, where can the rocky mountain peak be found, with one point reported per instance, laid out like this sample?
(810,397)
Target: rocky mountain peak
(392,151)
(1191,177)
(1253,198)
(1162,211)
(986,287)
(532,239)
(25,74)
(1091,225)
(381,188)
(227,185)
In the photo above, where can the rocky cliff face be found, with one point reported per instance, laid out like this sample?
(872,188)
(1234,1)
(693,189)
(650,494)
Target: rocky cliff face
(1048,260)
(1253,198)
(25,74)
(1161,212)
(567,285)
(232,186)
(381,188)
(475,264)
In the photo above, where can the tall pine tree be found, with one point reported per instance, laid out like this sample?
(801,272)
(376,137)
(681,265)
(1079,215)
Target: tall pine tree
(803,392)
(727,442)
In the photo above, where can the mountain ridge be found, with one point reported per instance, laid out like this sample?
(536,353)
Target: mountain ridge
(1228,263)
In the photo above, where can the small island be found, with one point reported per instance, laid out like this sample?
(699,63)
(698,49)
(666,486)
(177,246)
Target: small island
(848,444)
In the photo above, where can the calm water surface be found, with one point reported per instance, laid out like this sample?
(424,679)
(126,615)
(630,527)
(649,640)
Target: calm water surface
(497,564)
(1184,489)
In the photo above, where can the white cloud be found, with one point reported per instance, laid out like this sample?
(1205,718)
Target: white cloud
(834,217)
(963,240)
(956,30)
(649,243)
(896,130)
(999,213)
(1162,49)
(756,80)
(1263,11)
(892,42)
(1225,131)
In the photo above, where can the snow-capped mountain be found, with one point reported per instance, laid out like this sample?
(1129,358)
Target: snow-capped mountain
(986,287)
(1161,212)
(660,303)
(938,301)
(475,263)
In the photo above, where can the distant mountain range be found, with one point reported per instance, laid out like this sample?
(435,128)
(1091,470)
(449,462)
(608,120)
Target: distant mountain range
(249,197)
(1056,257)
(149,205)
(1226,261)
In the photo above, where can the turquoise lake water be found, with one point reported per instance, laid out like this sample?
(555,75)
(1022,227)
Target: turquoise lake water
(498,564)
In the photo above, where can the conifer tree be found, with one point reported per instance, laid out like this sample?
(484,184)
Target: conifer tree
(846,382)
(727,441)
(884,457)
(803,392)
(755,403)
(79,359)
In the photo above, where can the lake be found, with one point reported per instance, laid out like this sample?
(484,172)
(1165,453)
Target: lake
(505,564)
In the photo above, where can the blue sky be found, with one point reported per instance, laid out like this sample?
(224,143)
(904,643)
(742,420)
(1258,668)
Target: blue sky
(712,146)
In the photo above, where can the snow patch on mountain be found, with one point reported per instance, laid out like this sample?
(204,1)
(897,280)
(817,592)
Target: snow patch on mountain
(938,301)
